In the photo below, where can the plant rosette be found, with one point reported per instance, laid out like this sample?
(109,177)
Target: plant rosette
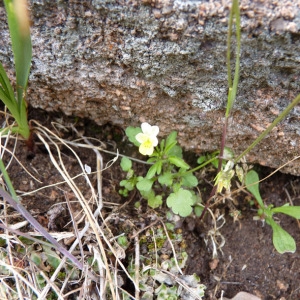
(167,178)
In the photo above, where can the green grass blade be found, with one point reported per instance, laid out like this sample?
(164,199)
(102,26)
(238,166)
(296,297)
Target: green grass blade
(11,104)
(228,55)
(18,22)
(5,85)
(235,11)
(8,98)
(268,130)
(24,128)
(8,181)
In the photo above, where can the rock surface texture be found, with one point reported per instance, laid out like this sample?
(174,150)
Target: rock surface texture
(164,62)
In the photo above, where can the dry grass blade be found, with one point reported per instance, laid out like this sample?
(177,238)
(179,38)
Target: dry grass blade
(49,140)
(4,148)
(137,264)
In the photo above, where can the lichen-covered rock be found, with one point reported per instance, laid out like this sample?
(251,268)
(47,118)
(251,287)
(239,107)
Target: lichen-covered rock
(163,62)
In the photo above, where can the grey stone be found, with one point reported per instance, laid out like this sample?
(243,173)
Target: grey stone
(164,62)
(242,296)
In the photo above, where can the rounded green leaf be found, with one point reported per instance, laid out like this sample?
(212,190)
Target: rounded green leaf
(201,159)
(126,164)
(144,184)
(155,202)
(131,133)
(189,180)
(181,202)
(166,179)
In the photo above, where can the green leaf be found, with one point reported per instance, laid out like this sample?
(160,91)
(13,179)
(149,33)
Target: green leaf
(195,198)
(6,92)
(171,138)
(36,258)
(175,151)
(123,242)
(215,163)
(52,258)
(144,184)
(128,184)
(126,164)
(166,179)
(201,159)
(148,194)
(159,167)
(155,202)
(170,141)
(25,240)
(18,22)
(152,171)
(252,185)
(178,162)
(152,159)
(2,242)
(3,269)
(131,133)
(181,202)
(282,240)
(293,211)
(198,210)
(162,145)
(234,12)
(189,180)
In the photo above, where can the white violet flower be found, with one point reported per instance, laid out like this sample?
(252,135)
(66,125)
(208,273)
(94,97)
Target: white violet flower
(147,138)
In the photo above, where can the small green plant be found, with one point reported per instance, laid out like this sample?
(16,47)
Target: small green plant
(169,173)
(161,276)
(282,240)
(172,177)
(18,22)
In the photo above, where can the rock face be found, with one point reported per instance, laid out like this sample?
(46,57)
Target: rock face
(164,62)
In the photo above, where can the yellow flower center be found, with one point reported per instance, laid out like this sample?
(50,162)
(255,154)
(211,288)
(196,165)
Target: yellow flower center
(148,144)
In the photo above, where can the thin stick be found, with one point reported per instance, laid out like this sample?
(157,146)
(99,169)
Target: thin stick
(137,265)
(269,129)
(172,247)
(99,168)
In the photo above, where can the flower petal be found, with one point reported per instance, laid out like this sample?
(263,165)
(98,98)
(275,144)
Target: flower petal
(154,141)
(145,149)
(146,128)
(147,138)
(155,130)
(141,137)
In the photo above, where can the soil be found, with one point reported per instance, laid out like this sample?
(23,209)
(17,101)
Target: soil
(247,261)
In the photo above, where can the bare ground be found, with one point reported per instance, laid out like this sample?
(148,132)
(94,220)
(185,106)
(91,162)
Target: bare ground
(247,261)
